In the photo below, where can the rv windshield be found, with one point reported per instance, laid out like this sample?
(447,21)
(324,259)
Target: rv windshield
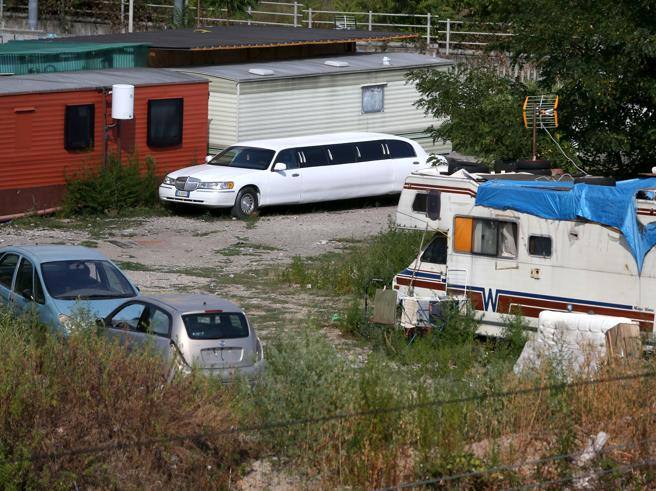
(244,158)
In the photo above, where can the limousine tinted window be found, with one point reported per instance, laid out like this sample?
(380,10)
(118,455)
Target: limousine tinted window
(315,156)
(343,154)
(371,151)
(288,157)
(400,149)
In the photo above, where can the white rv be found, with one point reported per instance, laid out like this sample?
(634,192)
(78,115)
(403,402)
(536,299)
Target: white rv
(521,253)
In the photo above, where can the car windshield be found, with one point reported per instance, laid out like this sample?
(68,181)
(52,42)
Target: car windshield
(85,279)
(216,325)
(244,158)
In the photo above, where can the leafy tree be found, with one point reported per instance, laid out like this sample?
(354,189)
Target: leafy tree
(484,113)
(600,57)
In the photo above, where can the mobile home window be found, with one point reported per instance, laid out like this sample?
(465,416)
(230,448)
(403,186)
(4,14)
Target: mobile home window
(435,253)
(373,99)
(165,122)
(419,203)
(485,237)
(79,127)
(539,245)
(400,149)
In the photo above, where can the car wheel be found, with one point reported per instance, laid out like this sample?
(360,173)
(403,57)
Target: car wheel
(246,203)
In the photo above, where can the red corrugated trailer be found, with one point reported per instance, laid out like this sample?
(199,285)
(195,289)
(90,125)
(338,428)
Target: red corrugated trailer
(54,124)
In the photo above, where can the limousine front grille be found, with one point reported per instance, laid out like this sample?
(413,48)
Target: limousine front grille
(186,183)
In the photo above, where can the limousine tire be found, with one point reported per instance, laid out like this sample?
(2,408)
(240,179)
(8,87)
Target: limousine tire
(246,203)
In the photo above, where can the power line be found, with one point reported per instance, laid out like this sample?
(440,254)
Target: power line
(323,419)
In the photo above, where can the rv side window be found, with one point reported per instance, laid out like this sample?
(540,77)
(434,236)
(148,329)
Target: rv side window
(370,151)
(435,253)
(342,154)
(400,149)
(315,156)
(485,237)
(539,246)
(419,204)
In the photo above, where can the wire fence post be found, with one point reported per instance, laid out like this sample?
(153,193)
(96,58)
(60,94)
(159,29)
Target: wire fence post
(448,34)
(428,29)
(370,20)
(249,11)
(295,14)
(310,17)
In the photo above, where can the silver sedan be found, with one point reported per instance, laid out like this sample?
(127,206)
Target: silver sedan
(192,330)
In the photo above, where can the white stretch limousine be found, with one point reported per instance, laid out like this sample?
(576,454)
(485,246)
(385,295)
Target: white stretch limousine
(304,169)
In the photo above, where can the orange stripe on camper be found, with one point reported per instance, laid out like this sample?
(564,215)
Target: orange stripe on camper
(463,234)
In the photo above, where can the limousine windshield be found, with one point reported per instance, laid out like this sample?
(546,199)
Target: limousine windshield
(244,158)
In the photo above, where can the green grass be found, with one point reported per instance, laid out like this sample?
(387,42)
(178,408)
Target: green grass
(244,248)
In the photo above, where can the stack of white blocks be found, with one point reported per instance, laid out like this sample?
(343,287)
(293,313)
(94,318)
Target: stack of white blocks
(572,341)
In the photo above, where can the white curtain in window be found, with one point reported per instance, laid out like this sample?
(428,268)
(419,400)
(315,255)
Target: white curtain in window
(372,99)
(485,237)
(508,238)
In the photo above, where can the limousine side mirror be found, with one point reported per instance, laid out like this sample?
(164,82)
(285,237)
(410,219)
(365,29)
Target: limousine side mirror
(279,166)
(208,159)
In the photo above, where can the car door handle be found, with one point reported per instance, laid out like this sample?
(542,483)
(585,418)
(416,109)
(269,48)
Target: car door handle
(415,163)
(295,175)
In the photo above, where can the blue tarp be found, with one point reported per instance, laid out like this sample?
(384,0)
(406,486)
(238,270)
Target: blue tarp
(613,206)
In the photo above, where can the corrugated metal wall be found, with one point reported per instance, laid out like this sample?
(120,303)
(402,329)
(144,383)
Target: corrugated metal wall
(223,112)
(302,106)
(32,153)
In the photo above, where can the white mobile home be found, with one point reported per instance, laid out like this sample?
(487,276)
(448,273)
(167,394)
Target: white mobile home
(366,92)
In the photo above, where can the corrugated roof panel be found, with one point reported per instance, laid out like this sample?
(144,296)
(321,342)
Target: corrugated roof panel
(92,79)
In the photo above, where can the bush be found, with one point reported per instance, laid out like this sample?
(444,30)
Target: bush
(59,394)
(112,188)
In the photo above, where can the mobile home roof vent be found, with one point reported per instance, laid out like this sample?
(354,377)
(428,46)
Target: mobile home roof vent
(260,71)
(336,63)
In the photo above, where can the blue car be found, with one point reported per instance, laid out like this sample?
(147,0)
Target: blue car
(61,280)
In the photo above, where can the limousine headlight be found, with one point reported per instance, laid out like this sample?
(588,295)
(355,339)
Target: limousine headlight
(216,185)
(169,180)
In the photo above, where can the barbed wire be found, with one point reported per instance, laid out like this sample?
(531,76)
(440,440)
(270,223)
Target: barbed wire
(327,418)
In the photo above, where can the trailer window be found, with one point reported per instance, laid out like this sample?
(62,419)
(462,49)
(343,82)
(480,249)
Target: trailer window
(539,245)
(79,126)
(373,99)
(165,122)
(486,237)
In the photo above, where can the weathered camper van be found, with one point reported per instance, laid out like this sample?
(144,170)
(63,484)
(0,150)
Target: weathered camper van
(517,243)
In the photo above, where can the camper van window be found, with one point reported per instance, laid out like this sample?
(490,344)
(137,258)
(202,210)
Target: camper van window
(371,151)
(539,246)
(400,149)
(419,204)
(485,237)
(342,154)
(79,127)
(164,123)
(435,253)
(315,156)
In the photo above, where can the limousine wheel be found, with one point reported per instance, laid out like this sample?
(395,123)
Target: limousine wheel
(245,204)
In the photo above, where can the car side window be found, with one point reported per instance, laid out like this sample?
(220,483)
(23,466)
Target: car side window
(345,153)
(7,268)
(400,149)
(159,322)
(288,157)
(24,278)
(39,296)
(373,150)
(315,156)
(129,317)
